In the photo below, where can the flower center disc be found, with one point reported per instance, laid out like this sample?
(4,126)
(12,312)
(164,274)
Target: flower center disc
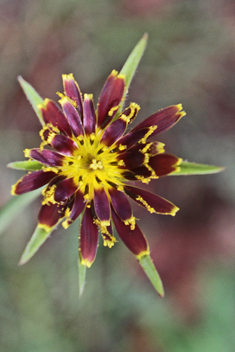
(93,165)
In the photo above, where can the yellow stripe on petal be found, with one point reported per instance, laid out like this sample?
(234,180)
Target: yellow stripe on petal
(151,129)
(145,204)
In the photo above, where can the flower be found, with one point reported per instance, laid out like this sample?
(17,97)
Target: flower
(90,164)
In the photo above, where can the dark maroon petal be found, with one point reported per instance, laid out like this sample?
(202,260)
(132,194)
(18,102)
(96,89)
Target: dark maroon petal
(47,157)
(72,116)
(114,131)
(65,189)
(89,121)
(49,215)
(31,181)
(152,202)
(88,238)
(132,137)
(110,98)
(72,90)
(164,164)
(78,205)
(133,239)
(55,181)
(120,204)
(132,159)
(101,205)
(163,119)
(138,173)
(52,113)
(62,144)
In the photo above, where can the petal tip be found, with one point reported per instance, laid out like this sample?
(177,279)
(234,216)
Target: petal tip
(13,189)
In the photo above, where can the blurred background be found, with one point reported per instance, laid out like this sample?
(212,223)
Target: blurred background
(190,59)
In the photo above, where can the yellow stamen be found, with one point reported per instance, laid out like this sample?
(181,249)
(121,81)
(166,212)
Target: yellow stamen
(130,222)
(122,147)
(48,194)
(109,242)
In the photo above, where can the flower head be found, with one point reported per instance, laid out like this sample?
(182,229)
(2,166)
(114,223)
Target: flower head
(89,160)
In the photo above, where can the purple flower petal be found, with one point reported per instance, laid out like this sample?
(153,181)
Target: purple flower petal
(52,113)
(164,164)
(65,189)
(47,157)
(132,137)
(72,116)
(62,144)
(132,159)
(49,215)
(152,202)
(72,90)
(120,204)
(31,181)
(110,98)
(89,121)
(78,205)
(114,131)
(163,119)
(101,205)
(133,239)
(88,238)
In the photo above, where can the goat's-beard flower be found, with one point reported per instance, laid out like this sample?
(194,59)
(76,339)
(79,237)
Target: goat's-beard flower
(91,164)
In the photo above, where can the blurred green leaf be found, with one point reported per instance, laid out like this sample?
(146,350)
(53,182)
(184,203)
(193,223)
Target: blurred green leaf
(14,207)
(38,238)
(81,275)
(150,270)
(33,97)
(30,165)
(188,168)
(130,66)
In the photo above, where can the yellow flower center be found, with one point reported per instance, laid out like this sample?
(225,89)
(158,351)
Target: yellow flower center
(93,165)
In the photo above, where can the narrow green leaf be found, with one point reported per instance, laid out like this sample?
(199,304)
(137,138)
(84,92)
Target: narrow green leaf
(188,168)
(29,165)
(130,66)
(14,207)
(33,97)
(81,275)
(38,238)
(150,270)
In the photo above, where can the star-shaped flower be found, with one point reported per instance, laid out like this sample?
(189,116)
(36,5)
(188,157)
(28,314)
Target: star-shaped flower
(90,164)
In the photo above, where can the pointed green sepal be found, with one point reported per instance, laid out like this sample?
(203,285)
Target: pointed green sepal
(14,207)
(188,168)
(38,238)
(81,276)
(33,97)
(130,66)
(29,165)
(150,270)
